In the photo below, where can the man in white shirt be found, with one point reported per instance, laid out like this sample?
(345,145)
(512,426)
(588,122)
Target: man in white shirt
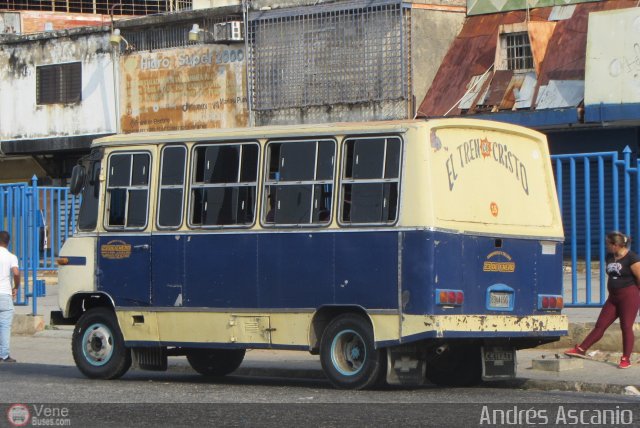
(8,268)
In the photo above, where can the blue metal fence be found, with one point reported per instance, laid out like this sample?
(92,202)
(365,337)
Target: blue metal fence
(593,189)
(39,220)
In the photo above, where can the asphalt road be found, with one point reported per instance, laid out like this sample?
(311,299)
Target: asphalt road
(143,398)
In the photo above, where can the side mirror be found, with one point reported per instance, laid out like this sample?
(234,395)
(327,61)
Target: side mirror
(78,176)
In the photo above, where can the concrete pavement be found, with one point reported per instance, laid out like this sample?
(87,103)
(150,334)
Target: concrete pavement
(541,368)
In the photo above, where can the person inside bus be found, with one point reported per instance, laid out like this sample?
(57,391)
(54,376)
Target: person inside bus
(271,212)
(623,284)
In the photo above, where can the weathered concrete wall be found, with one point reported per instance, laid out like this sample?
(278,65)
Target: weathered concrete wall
(432,33)
(21,117)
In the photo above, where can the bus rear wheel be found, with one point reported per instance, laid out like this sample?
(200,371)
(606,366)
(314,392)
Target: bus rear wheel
(215,362)
(98,347)
(348,356)
(459,365)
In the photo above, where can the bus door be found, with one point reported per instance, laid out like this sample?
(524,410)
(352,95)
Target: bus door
(124,251)
(168,257)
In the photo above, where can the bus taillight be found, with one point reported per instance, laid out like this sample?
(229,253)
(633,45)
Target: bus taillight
(550,302)
(449,297)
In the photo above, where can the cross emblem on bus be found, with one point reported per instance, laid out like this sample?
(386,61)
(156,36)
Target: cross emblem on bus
(405,364)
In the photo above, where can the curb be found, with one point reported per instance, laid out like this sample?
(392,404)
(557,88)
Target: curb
(27,324)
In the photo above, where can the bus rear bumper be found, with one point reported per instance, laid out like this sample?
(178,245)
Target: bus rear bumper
(418,327)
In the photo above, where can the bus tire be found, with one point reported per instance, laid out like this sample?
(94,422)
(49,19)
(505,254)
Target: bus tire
(460,366)
(348,356)
(98,347)
(215,362)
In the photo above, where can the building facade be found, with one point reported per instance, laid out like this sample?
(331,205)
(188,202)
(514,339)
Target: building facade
(247,65)
(569,69)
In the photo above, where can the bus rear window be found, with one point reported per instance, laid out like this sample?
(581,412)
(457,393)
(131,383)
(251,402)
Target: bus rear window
(370,182)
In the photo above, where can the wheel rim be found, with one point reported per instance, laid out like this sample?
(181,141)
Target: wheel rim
(348,353)
(97,344)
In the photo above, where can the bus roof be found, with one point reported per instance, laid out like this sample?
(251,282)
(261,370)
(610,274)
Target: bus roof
(393,126)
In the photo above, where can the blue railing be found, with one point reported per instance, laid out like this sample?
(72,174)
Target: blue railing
(588,186)
(39,220)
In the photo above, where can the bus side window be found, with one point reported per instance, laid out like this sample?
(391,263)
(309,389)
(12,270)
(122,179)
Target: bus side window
(170,201)
(88,215)
(371,171)
(299,187)
(128,190)
(223,191)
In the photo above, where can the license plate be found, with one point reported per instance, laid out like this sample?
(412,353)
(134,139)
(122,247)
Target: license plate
(498,362)
(498,356)
(500,300)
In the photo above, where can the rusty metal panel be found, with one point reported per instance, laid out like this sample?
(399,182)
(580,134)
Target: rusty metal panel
(476,84)
(524,94)
(560,13)
(499,84)
(509,98)
(539,35)
(560,93)
(188,88)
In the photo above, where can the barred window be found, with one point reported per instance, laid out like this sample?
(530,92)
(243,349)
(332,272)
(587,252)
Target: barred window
(59,83)
(326,55)
(519,56)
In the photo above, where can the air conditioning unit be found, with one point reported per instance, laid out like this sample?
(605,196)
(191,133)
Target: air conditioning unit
(231,31)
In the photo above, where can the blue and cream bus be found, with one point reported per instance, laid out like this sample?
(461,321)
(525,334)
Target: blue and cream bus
(398,251)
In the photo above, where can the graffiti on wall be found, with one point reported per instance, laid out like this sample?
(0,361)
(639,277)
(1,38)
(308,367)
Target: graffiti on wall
(190,88)
(612,69)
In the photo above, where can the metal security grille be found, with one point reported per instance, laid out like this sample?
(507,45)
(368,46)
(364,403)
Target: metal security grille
(105,7)
(519,56)
(348,53)
(175,35)
(59,83)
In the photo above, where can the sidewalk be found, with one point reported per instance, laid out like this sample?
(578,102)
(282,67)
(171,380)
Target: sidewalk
(600,374)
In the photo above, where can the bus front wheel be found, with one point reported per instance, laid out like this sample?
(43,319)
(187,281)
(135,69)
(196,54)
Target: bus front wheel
(348,356)
(98,346)
(215,362)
